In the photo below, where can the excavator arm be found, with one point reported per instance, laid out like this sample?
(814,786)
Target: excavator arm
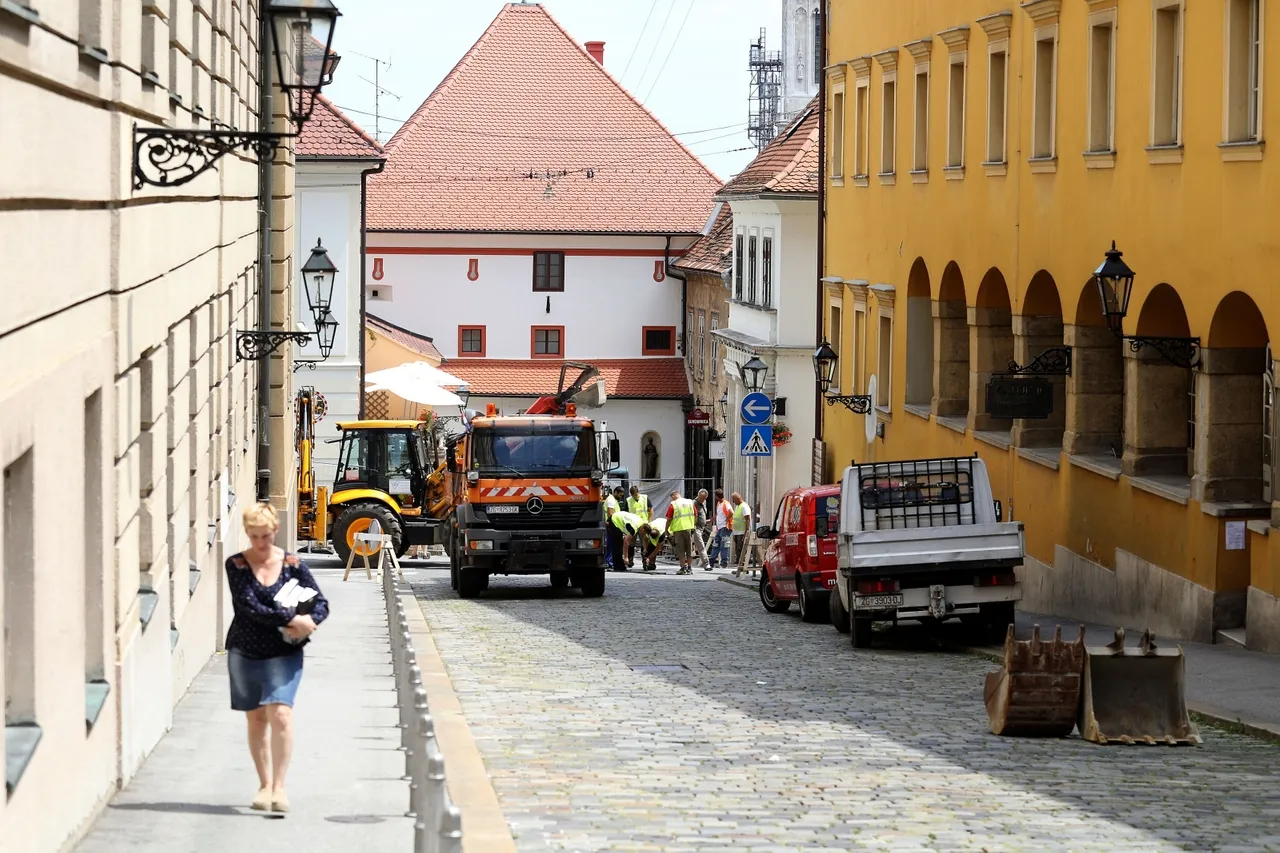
(555,404)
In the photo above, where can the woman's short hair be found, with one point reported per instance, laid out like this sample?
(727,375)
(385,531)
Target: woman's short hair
(260,515)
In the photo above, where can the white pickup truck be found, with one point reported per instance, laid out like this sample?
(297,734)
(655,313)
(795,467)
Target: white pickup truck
(923,539)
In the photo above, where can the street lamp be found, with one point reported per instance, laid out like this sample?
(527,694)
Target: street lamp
(464,394)
(753,373)
(724,407)
(825,361)
(170,157)
(318,274)
(1114,280)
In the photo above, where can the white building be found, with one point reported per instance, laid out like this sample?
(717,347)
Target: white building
(527,215)
(773,307)
(801,55)
(130,432)
(334,158)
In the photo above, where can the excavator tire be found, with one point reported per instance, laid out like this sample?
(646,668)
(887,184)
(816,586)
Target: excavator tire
(358,518)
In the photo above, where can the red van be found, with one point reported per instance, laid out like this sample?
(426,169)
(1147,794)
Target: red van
(800,562)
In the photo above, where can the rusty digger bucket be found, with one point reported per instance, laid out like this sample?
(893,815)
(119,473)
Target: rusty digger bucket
(1136,695)
(1037,692)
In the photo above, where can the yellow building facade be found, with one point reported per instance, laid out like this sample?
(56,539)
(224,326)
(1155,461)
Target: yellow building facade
(982,157)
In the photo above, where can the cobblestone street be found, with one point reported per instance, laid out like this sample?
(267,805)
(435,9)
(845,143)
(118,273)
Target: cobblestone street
(775,735)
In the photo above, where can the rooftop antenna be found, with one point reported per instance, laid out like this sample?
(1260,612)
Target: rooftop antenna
(378,92)
(765,97)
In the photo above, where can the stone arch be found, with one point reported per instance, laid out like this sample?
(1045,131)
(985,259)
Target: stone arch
(1036,330)
(919,336)
(990,347)
(1235,440)
(950,347)
(1096,386)
(1159,415)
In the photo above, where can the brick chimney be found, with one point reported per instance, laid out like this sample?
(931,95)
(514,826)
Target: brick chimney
(596,49)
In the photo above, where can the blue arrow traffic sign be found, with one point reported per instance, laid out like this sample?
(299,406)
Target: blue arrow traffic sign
(755,440)
(756,408)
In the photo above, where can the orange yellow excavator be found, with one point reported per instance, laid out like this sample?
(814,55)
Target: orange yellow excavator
(525,491)
(391,477)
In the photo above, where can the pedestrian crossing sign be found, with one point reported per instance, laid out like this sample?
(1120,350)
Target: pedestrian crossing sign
(756,441)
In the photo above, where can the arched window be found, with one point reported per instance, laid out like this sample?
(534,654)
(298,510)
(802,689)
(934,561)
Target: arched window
(817,48)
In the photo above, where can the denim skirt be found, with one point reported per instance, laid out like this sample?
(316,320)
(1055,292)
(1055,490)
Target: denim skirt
(271,681)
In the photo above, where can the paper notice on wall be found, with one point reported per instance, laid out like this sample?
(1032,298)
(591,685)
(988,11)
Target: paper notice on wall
(1235,535)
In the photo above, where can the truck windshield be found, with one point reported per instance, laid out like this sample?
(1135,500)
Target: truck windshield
(523,450)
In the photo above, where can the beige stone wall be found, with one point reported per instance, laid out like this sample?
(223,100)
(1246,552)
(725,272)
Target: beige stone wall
(707,293)
(127,427)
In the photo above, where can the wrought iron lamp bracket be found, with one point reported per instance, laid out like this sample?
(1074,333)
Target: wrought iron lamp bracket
(169,157)
(309,365)
(1183,352)
(255,345)
(1055,361)
(859,404)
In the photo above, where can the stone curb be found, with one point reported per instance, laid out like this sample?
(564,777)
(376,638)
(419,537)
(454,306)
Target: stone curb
(740,582)
(1216,717)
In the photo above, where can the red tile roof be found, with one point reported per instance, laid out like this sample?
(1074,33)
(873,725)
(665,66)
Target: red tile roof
(527,101)
(658,378)
(788,164)
(712,253)
(420,344)
(329,133)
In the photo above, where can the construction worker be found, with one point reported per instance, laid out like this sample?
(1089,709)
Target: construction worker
(723,513)
(650,537)
(626,524)
(613,538)
(682,518)
(741,524)
(637,503)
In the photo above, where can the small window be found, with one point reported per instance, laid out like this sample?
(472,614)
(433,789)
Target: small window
(702,343)
(955,114)
(715,347)
(659,340)
(837,134)
(884,370)
(835,331)
(471,341)
(1101,84)
(857,357)
(737,267)
(817,48)
(1244,61)
(379,293)
(888,130)
(548,341)
(997,99)
(548,271)
(1042,141)
(861,131)
(920,163)
(1166,76)
(688,339)
(766,298)
(753,247)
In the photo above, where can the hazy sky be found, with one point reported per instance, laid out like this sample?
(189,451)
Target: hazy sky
(691,73)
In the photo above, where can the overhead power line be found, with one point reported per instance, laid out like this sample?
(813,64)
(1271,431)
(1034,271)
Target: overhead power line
(653,5)
(656,42)
(670,50)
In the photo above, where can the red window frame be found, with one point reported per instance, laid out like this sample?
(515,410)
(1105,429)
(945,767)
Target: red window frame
(533,341)
(484,341)
(644,340)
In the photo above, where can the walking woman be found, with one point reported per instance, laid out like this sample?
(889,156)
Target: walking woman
(277,607)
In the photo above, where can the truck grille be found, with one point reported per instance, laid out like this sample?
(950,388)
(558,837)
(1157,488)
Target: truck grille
(552,517)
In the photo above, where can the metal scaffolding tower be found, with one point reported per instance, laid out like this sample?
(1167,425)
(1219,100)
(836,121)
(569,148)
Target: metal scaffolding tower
(766,93)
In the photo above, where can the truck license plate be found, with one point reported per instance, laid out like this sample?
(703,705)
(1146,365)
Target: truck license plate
(502,509)
(877,602)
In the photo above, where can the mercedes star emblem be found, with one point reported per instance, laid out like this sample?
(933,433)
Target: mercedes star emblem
(534,506)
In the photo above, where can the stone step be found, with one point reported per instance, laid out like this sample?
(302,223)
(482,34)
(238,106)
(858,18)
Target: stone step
(1230,637)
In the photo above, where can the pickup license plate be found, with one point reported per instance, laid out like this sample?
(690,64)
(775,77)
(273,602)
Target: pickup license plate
(876,602)
(502,509)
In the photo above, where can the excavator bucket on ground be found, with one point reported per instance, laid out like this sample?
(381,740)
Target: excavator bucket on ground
(1037,693)
(1135,695)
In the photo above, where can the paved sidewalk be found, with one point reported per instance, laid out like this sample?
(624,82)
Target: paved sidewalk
(193,792)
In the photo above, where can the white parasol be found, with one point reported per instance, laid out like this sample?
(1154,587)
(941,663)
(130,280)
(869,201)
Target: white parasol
(417,382)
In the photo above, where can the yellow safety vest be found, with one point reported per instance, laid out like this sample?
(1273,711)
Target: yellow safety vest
(684,515)
(657,528)
(740,518)
(623,519)
(640,506)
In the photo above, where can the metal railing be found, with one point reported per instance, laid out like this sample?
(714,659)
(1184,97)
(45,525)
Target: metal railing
(437,822)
